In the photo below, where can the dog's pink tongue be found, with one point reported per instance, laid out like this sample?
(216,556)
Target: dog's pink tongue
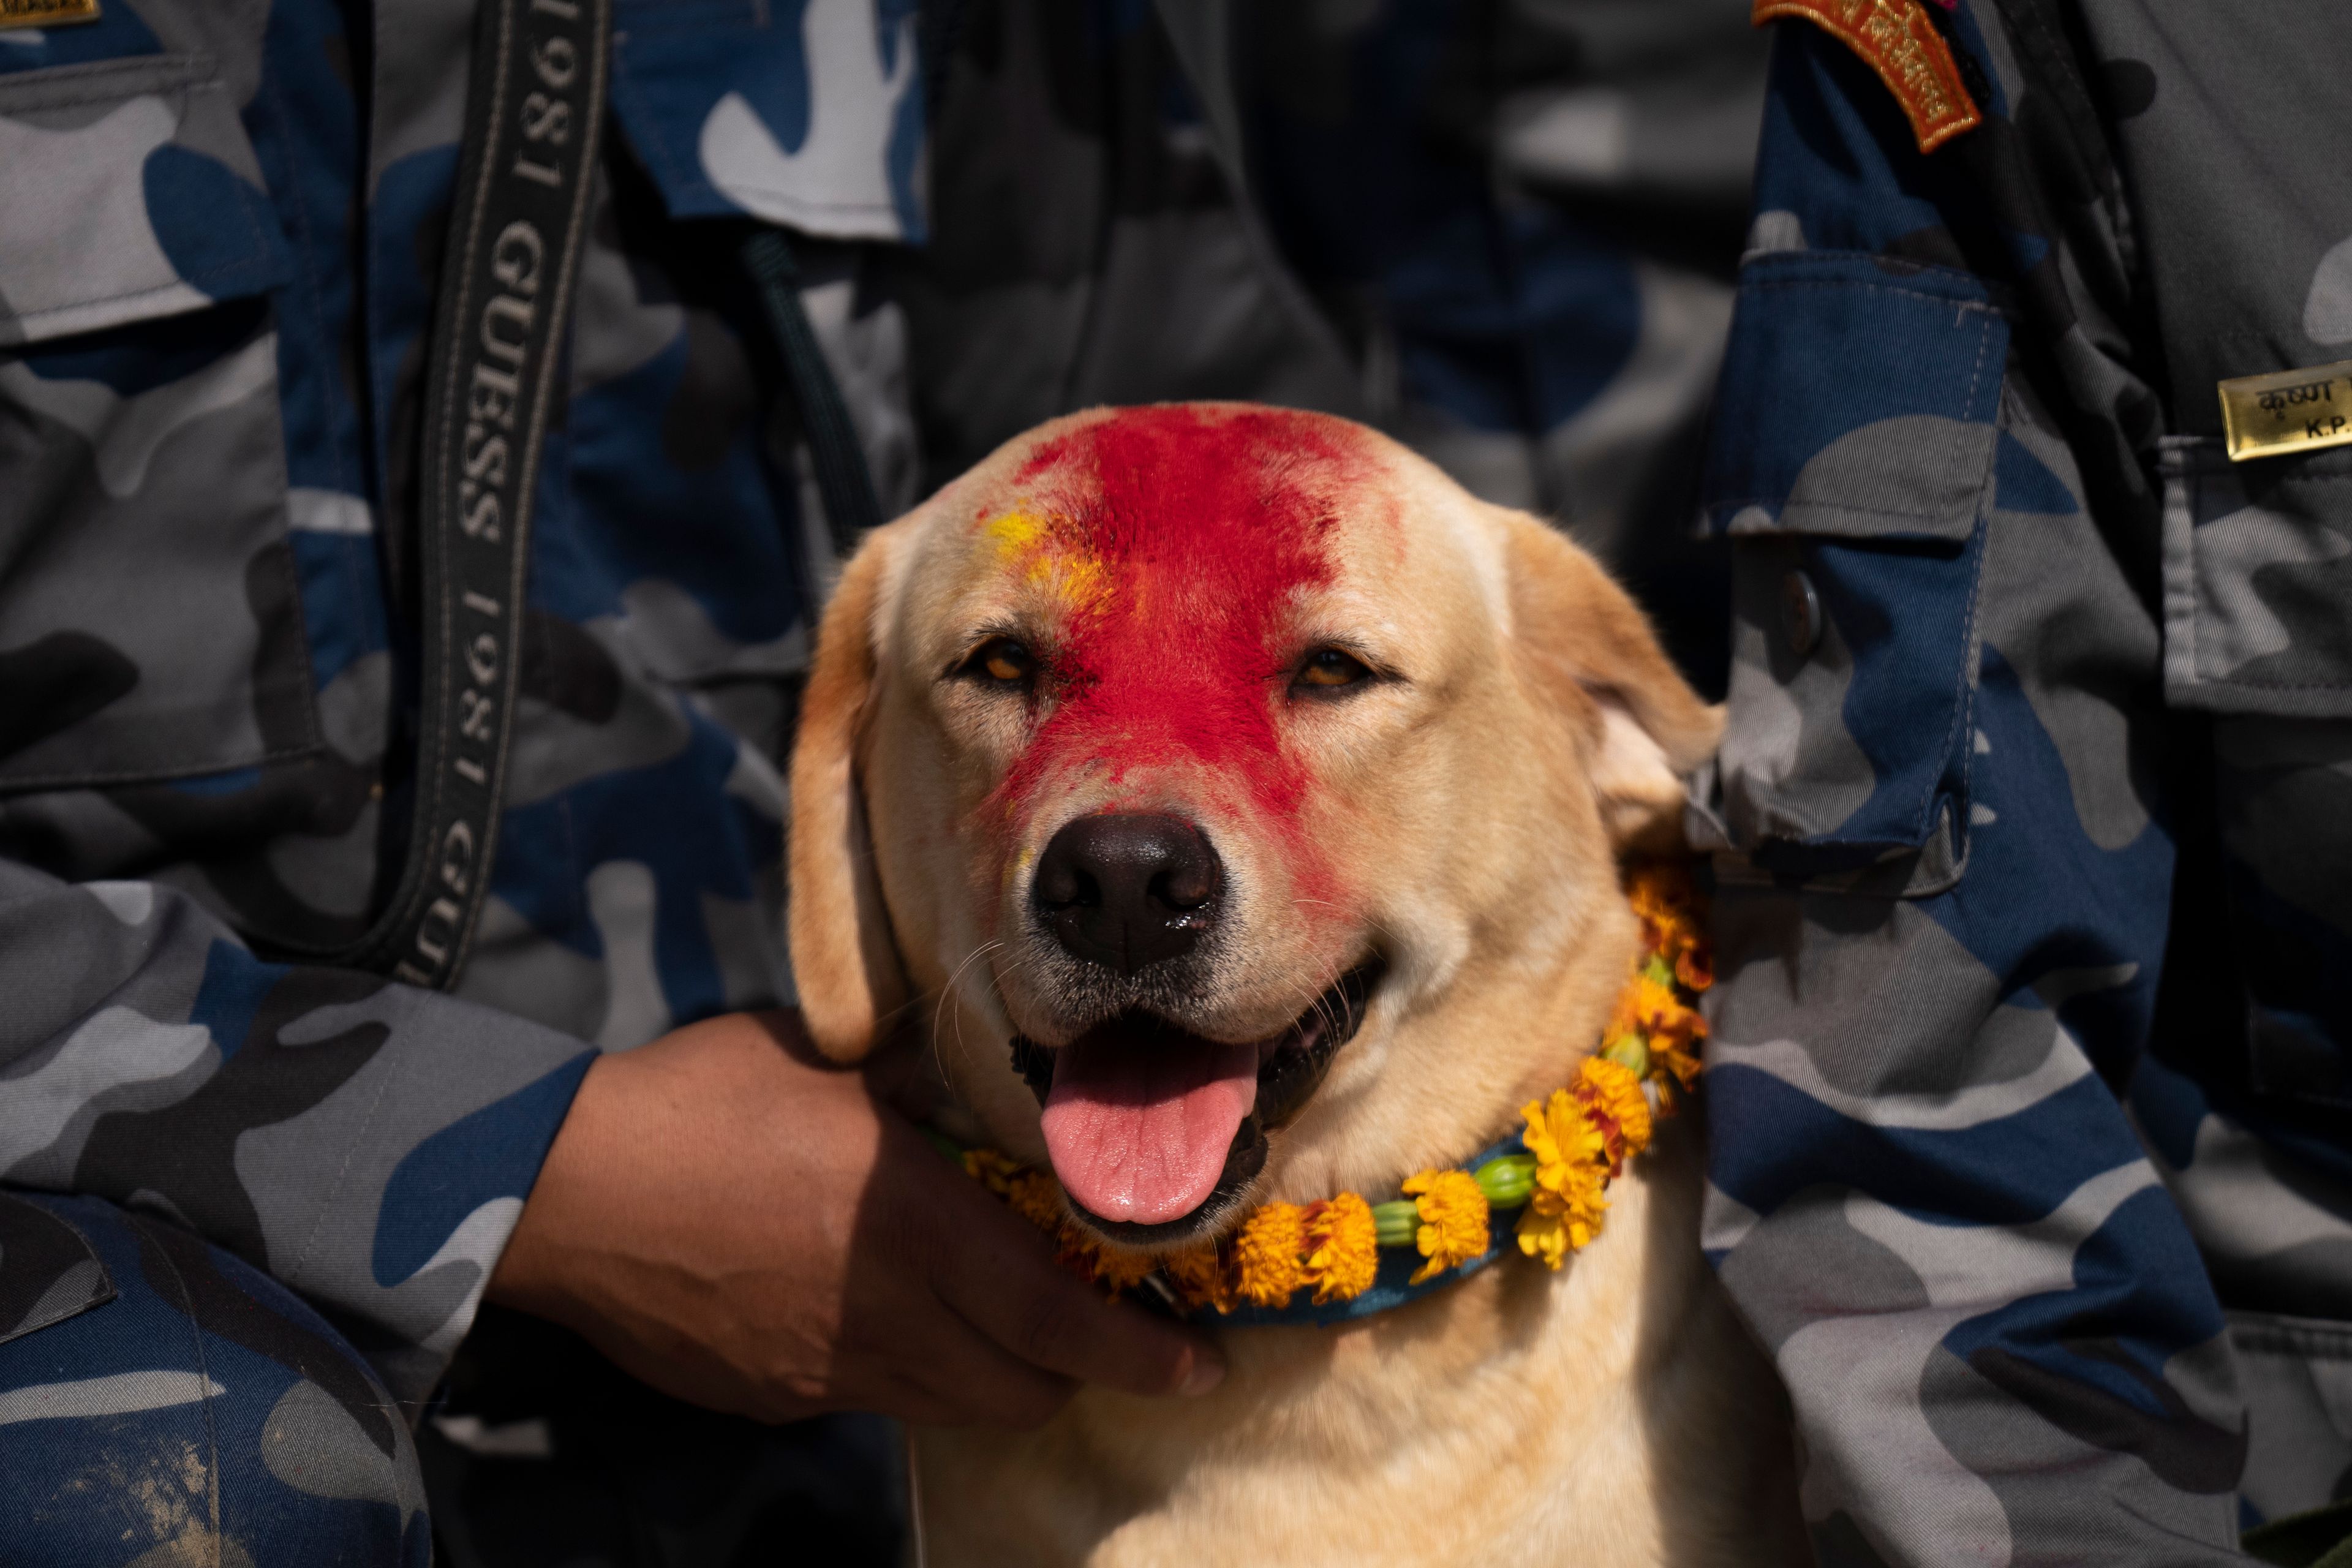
(1140,1116)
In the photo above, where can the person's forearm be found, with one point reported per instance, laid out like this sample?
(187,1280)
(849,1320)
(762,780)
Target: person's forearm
(747,1227)
(368,1144)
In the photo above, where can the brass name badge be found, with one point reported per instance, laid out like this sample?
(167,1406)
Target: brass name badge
(45,13)
(2287,411)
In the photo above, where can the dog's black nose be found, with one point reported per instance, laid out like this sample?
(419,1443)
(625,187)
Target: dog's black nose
(1126,889)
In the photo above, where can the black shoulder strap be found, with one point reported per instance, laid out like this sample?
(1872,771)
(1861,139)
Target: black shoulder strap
(534,111)
(843,483)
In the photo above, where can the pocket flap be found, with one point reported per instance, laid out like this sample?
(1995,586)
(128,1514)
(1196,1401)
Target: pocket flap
(1850,455)
(1858,400)
(128,191)
(48,1271)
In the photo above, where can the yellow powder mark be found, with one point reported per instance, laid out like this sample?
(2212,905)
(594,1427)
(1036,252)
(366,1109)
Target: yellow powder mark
(1014,533)
(1072,575)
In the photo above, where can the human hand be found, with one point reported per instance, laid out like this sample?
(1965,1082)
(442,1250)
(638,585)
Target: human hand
(741,1227)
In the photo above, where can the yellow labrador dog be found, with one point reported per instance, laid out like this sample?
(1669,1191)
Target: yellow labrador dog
(1266,793)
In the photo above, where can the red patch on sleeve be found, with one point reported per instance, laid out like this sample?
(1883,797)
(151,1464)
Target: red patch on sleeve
(1903,45)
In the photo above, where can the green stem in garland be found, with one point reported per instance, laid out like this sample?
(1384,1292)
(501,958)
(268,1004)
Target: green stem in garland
(1506,1180)
(1396,1224)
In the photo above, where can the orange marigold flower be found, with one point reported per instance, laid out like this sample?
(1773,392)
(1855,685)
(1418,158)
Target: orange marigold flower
(988,1168)
(1677,1065)
(1542,1236)
(1662,894)
(1343,1248)
(1668,882)
(1682,1062)
(1075,1250)
(1573,1162)
(1203,1278)
(1611,1097)
(1560,1135)
(1562,1220)
(1653,1009)
(1120,1268)
(1672,927)
(1453,1220)
(1265,1253)
(1115,1268)
(1550,1228)
(1037,1198)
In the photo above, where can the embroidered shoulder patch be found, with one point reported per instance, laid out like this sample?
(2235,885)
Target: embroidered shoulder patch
(1904,47)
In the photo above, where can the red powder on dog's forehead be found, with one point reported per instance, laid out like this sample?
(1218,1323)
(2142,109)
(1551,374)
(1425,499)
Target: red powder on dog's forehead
(1178,540)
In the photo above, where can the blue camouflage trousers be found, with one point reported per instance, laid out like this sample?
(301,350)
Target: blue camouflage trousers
(161,1400)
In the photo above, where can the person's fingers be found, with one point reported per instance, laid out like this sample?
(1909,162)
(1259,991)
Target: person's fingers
(903,1072)
(976,1383)
(1005,1285)
(636,1237)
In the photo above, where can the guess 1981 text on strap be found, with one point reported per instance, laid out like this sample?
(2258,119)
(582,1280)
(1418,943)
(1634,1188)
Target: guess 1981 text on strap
(518,218)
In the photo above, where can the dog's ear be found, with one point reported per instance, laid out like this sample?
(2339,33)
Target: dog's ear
(1588,645)
(844,963)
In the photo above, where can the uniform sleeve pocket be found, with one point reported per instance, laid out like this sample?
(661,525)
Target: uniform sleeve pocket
(1849,457)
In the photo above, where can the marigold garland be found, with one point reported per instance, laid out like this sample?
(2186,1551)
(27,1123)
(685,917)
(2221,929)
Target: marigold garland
(1453,1227)
(1266,1264)
(1343,1254)
(1200,1277)
(1116,1267)
(1577,1142)
(1613,1102)
(1572,1168)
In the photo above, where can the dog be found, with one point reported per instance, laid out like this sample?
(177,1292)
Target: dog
(1158,751)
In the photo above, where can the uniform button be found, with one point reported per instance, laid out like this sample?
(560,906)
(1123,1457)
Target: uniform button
(1801,613)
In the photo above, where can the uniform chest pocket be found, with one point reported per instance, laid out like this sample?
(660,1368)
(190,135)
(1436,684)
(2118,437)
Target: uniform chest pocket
(2258,632)
(128,188)
(149,622)
(1849,457)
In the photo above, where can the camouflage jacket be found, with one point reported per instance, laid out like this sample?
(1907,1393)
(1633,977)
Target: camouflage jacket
(220,228)
(2034,826)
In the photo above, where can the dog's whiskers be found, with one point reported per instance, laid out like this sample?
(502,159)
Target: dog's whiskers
(947,993)
(1313,1002)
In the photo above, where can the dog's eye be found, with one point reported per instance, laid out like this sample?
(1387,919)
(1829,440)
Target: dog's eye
(1328,667)
(1002,660)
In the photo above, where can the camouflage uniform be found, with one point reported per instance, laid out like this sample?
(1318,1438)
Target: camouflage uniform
(219,246)
(2035,819)
(1505,233)
(219,235)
